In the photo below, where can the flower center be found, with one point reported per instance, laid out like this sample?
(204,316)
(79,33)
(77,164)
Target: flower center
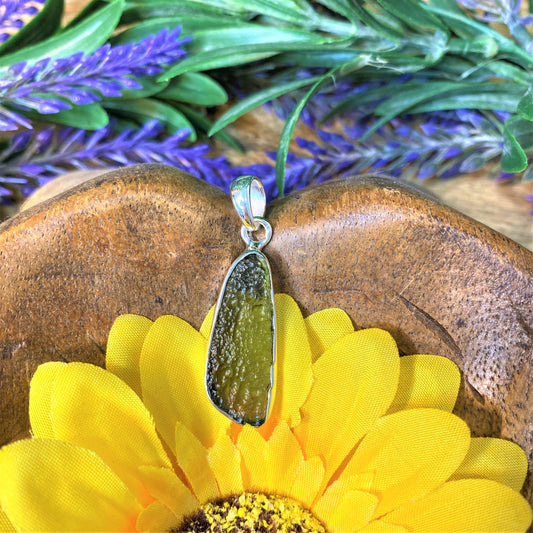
(252,512)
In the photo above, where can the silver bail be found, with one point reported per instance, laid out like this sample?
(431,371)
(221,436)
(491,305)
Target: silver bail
(249,199)
(241,353)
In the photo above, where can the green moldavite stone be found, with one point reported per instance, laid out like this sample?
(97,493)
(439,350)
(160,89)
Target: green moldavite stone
(241,351)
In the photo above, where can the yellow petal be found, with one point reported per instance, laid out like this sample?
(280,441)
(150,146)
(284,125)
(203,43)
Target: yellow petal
(124,346)
(225,462)
(496,459)
(410,453)
(166,487)
(50,485)
(205,328)
(308,480)
(355,382)
(343,509)
(173,363)
(95,409)
(381,527)
(252,447)
(293,375)
(325,328)
(468,505)
(156,518)
(5,524)
(283,456)
(426,381)
(191,457)
(41,388)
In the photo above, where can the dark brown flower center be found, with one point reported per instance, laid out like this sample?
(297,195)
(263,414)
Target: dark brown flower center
(252,513)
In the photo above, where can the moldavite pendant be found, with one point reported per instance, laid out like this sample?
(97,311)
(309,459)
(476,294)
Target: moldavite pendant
(242,347)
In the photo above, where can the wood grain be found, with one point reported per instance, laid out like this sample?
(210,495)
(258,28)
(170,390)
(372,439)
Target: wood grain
(152,240)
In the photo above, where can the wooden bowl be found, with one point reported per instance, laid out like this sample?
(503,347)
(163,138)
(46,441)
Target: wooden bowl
(152,240)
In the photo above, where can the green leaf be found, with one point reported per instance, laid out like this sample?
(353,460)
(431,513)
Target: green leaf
(216,59)
(483,45)
(41,26)
(326,57)
(150,86)
(357,101)
(302,15)
(258,98)
(145,109)
(408,98)
(504,44)
(286,10)
(403,97)
(204,124)
(92,7)
(514,159)
(288,128)
(87,117)
(251,34)
(507,70)
(455,24)
(366,17)
(411,13)
(525,105)
(190,24)
(140,11)
(467,101)
(85,37)
(522,131)
(340,7)
(496,96)
(196,89)
(337,6)
(232,56)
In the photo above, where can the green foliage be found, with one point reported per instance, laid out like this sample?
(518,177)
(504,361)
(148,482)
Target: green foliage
(88,116)
(86,36)
(143,110)
(454,60)
(41,26)
(286,134)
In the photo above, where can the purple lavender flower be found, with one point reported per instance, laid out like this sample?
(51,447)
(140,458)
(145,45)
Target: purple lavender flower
(32,159)
(49,86)
(16,13)
(460,141)
(491,10)
(506,12)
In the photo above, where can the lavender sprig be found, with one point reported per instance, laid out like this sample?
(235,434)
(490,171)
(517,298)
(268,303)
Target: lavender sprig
(14,14)
(32,159)
(49,85)
(506,12)
(443,144)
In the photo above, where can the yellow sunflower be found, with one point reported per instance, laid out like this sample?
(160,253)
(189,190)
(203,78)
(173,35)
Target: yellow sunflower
(358,439)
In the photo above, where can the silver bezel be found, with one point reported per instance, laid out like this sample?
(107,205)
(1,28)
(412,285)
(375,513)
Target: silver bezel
(215,316)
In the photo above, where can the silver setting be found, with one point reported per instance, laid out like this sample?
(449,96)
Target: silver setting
(249,200)
(215,314)
(248,237)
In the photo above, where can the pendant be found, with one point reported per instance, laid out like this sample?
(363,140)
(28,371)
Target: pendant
(240,357)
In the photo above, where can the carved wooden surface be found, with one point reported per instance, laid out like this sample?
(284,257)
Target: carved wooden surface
(153,240)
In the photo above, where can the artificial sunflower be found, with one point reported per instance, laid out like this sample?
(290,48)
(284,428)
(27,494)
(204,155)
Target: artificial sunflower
(358,439)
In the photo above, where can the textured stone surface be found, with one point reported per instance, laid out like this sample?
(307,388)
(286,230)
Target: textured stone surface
(242,349)
(152,240)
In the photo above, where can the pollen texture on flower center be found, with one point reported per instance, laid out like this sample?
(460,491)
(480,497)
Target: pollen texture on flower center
(249,513)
